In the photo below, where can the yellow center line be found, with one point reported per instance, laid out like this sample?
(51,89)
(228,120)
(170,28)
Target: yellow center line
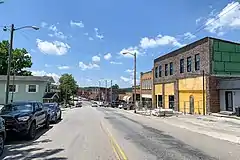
(116,148)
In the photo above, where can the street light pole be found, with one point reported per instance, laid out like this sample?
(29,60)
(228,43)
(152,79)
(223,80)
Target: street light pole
(12,29)
(9,63)
(135,79)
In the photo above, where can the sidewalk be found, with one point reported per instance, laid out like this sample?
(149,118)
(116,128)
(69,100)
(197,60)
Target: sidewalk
(217,127)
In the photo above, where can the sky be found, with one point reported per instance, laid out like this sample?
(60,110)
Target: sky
(86,38)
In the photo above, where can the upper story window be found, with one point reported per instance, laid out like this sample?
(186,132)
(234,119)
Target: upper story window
(166,69)
(160,71)
(32,88)
(197,62)
(12,88)
(156,72)
(189,64)
(181,65)
(171,68)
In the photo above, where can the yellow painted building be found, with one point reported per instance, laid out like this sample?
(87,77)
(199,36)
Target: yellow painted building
(168,94)
(191,95)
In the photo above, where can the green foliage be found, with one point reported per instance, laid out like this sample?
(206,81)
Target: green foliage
(68,86)
(115,86)
(21,60)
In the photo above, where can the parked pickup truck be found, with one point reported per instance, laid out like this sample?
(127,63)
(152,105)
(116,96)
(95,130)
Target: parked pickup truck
(25,117)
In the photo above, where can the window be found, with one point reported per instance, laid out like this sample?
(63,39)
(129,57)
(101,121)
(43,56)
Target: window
(160,71)
(171,101)
(197,62)
(171,68)
(181,65)
(156,72)
(166,69)
(160,101)
(12,88)
(32,88)
(189,64)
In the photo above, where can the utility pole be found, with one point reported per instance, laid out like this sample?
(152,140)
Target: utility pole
(106,90)
(203,92)
(135,79)
(99,91)
(111,93)
(9,63)
(13,85)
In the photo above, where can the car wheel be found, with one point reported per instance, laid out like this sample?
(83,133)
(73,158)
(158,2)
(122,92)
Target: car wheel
(32,131)
(47,122)
(1,144)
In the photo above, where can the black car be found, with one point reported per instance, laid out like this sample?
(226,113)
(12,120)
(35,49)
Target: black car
(79,104)
(25,118)
(54,111)
(2,135)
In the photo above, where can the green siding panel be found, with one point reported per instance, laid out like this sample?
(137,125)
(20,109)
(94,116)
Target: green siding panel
(235,57)
(219,66)
(227,47)
(232,67)
(225,58)
(217,56)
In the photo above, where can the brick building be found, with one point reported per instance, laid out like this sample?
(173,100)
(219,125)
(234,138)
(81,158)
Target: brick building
(199,78)
(146,84)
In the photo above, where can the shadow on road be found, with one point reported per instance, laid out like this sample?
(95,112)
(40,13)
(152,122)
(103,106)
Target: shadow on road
(18,148)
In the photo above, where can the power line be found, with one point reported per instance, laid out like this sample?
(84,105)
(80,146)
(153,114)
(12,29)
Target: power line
(203,26)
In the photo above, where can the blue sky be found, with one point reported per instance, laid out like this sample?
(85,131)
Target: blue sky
(86,37)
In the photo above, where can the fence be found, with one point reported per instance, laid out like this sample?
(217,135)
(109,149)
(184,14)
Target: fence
(191,107)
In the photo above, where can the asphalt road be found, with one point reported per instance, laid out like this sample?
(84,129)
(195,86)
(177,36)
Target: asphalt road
(111,134)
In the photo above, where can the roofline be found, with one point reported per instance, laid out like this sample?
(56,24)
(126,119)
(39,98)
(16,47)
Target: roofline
(146,72)
(190,46)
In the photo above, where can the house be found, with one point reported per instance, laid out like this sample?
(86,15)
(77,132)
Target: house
(21,88)
(146,83)
(199,78)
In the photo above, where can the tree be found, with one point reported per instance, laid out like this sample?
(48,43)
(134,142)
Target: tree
(21,60)
(68,86)
(115,86)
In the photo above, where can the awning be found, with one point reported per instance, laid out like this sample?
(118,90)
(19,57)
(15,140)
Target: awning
(126,98)
(146,95)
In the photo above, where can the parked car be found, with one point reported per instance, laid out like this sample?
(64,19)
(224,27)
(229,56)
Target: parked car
(101,104)
(25,117)
(79,104)
(54,110)
(115,104)
(94,104)
(2,135)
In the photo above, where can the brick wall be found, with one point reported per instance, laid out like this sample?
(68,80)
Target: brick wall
(213,96)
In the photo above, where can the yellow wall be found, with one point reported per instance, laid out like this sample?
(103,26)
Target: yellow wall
(191,87)
(168,90)
(158,89)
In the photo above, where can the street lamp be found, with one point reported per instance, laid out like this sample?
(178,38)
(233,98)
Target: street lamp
(135,77)
(12,29)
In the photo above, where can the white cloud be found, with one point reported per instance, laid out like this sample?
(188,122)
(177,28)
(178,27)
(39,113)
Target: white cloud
(129,70)
(199,20)
(56,32)
(63,67)
(44,24)
(78,24)
(84,66)
(90,38)
(107,56)
(159,41)
(112,62)
(125,79)
(189,35)
(47,65)
(43,73)
(96,59)
(86,34)
(54,48)
(227,18)
(98,35)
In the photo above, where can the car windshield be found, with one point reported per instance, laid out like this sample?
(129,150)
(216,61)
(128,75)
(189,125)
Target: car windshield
(17,107)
